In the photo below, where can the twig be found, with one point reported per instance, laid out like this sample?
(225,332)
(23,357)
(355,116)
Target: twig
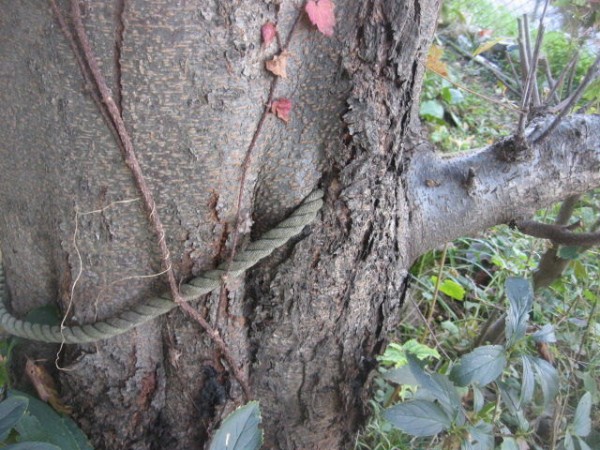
(218,340)
(557,234)
(133,164)
(552,95)
(128,151)
(483,62)
(436,292)
(477,94)
(89,85)
(590,76)
(561,77)
(247,160)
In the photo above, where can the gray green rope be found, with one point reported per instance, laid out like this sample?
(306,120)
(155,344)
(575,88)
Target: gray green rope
(157,306)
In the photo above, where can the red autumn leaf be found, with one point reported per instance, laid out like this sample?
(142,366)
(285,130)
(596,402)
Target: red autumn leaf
(281,108)
(268,32)
(320,13)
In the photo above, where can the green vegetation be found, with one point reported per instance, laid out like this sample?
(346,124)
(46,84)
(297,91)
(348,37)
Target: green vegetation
(497,363)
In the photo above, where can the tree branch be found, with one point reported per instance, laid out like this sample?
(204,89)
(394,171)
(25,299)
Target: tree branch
(557,234)
(464,194)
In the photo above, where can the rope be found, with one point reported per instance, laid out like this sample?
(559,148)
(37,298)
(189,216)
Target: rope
(157,306)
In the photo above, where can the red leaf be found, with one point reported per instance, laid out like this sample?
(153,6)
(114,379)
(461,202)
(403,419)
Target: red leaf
(281,108)
(320,13)
(268,32)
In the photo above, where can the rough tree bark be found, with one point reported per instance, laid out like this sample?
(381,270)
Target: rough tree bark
(190,81)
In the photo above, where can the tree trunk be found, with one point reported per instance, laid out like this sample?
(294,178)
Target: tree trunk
(190,83)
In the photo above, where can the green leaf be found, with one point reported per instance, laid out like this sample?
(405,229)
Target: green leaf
(478,399)
(394,355)
(482,437)
(31,446)
(12,411)
(59,430)
(452,289)
(418,418)
(582,444)
(582,422)
(568,443)
(452,96)
(569,252)
(527,382)
(438,386)
(240,430)
(44,315)
(400,375)
(520,297)
(431,109)
(579,270)
(420,351)
(547,377)
(509,443)
(545,334)
(481,366)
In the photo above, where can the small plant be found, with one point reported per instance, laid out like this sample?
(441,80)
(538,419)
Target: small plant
(240,430)
(489,392)
(26,423)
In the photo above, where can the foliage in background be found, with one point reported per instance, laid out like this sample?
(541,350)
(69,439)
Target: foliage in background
(524,376)
(567,311)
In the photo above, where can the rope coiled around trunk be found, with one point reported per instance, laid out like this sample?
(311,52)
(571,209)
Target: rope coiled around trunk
(157,306)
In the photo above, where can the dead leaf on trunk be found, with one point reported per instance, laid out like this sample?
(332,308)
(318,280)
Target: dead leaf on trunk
(45,386)
(278,64)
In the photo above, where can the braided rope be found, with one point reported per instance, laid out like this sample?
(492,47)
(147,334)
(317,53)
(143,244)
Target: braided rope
(157,306)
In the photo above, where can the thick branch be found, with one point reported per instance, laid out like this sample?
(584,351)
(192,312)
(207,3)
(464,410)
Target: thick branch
(471,192)
(557,234)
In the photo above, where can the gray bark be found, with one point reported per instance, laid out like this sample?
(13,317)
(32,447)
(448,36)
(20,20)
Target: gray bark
(190,79)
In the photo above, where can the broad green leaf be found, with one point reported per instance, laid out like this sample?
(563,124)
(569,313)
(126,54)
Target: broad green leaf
(240,430)
(44,315)
(12,411)
(438,385)
(569,252)
(579,270)
(527,382)
(481,366)
(509,443)
(452,96)
(482,435)
(520,297)
(30,429)
(431,109)
(418,418)
(568,442)
(31,446)
(478,399)
(394,355)
(545,334)
(582,422)
(547,377)
(60,430)
(400,375)
(420,351)
(582,444)
(589,295)
(452,289)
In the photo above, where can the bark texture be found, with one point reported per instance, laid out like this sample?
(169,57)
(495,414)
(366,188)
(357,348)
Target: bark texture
(189,78)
